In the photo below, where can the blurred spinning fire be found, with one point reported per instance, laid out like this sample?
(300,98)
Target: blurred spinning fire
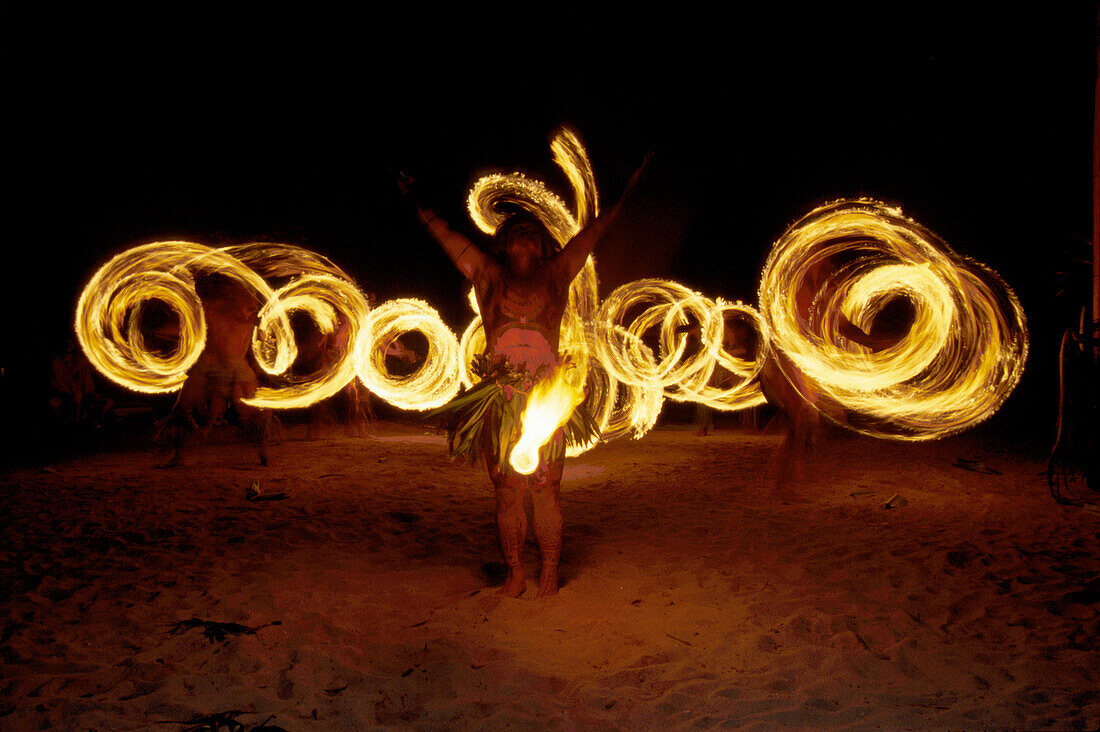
(828,280)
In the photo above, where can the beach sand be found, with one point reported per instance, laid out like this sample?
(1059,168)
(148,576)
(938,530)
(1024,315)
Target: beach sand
(890,589)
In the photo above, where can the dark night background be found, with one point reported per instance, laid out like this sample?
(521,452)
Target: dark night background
(978,127)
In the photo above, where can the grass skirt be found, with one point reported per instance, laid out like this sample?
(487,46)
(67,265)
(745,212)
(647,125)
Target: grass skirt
(488,417)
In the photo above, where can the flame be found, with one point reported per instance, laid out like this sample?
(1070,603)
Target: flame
(551,402)
(108,317)
(436,382)
(962,355)
(680,377)
(110,307)
(327,300)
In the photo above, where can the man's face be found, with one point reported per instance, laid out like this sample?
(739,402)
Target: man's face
(524,248)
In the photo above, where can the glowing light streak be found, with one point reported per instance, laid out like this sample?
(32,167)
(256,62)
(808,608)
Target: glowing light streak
(109,310)
(572,158)
(743,390)
(329,301)
(490,195)
(436,382)
(961,357)
(667,307)
(625,393)
(108,318)
(472,343)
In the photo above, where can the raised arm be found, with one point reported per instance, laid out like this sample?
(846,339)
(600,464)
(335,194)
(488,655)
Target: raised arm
(572,258)
(466,255)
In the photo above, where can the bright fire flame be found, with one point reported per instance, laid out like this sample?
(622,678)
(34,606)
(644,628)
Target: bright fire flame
(108,320)
(436,382)
(551,402)
(961,357)
(963,353)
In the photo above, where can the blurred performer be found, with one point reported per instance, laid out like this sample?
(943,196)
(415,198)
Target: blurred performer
(789,390)
(222,376)
(522,285)
(739,340)
(317,350)
(73,395)
(793,395)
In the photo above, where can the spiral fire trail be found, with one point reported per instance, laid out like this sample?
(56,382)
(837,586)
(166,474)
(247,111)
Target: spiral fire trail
(669,307)
(824,283)
(437,380)
(109,311)
(110,307)
(963,353)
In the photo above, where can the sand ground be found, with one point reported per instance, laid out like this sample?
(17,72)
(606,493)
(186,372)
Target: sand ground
(693,595)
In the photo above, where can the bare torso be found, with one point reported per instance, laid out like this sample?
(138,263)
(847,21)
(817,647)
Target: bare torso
(222,375)
(522,317)
(229,326)
(522,297)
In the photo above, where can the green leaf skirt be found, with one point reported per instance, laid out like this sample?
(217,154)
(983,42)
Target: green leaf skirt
(487,419)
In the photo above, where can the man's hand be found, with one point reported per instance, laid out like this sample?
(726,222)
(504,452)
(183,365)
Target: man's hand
(405,182)
(640,173)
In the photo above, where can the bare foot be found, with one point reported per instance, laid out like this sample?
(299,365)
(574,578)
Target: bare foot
(515,585)
(548,584)
(173,462)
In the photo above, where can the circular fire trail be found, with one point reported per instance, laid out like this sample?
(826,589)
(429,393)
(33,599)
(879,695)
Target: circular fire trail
(436,382)
(109,314)
(827,283)
(840,266)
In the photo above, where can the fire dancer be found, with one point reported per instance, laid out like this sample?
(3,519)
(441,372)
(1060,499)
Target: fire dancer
(522,286)
(222,376)
(739,340)
(317,350)
(73,395)
(795,396)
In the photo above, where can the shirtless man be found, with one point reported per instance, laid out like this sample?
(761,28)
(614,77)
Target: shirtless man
(789,390)
(522,289)
(222,376)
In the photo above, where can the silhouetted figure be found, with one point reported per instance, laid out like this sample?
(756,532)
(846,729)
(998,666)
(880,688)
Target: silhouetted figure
(222,376)
(795,396)
(73,395)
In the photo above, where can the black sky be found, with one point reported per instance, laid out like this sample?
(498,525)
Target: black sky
(978,127)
